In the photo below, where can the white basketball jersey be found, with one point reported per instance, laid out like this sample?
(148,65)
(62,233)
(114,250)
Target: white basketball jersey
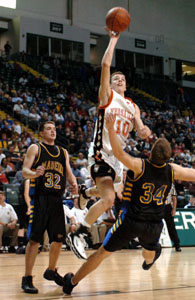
(100,148)
(124,109)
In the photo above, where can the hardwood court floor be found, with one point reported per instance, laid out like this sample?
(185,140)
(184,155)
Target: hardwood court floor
(117,278)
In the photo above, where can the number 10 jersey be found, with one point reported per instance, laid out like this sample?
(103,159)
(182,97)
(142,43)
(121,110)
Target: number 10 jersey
(100,148)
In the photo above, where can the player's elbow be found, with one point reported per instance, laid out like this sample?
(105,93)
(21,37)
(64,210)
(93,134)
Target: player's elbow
(24,173)
(105,65)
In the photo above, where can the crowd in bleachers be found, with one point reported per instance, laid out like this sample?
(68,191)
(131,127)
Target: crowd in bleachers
(71,104)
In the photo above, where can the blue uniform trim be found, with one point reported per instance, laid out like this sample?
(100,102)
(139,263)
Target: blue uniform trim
(30,219)
(116,225)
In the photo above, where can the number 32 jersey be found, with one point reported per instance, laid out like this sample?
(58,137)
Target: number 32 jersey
(100,148)
(54,179)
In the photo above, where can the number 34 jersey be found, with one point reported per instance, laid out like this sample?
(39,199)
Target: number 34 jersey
(54,179)
(145,196)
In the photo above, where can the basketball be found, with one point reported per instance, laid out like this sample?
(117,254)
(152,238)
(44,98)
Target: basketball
(118,19)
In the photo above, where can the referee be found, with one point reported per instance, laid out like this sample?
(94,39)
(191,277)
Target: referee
(170,210)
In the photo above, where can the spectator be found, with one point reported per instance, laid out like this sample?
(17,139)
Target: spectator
(23,80)
(16,97)
(191,203)
(70,221)
(18,178)
(2,155)
(9,120)
(81,161)
(76,171)
(6,128)
(18,107)
(8,168)
(4,141)
(34,118)
(17,127)
(11,151)
(59,117)
(10,163)
(7,48)
(3,178)
(8,223)
(85,175)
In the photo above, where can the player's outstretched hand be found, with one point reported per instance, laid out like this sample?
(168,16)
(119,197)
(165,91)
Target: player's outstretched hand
(112,33)
(110,119)
(145,132)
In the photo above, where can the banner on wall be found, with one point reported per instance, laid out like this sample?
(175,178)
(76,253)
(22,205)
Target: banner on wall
(165,240)
(185,226)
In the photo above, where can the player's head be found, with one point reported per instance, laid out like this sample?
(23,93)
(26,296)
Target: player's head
(47,130)
(160,152)
(118,82)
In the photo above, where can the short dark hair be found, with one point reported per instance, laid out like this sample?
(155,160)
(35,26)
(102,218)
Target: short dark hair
(42,125)
(113,74)
(161,151)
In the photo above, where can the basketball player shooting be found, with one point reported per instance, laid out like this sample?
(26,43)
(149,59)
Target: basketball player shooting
(106,170)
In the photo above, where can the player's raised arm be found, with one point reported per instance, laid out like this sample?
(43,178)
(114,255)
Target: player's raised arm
(184,174)
(132,163)
(104,90)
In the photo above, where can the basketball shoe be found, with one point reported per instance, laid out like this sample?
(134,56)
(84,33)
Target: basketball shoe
(146,266)
(77,243)
(68,286)
(27,285)
(54,276)
(83,199)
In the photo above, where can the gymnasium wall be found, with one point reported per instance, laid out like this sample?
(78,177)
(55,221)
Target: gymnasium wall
(162,22)
(46,8)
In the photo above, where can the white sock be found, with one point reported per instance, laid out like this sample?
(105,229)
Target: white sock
(86,224)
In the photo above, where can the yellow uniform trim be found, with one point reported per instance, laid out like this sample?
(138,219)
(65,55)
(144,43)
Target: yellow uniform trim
(157,166)
(49,152)
(142,172)
(129,184)
(126,193)
(38,156)
(126,198)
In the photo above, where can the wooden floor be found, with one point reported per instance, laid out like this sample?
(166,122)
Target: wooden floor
(119,277)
